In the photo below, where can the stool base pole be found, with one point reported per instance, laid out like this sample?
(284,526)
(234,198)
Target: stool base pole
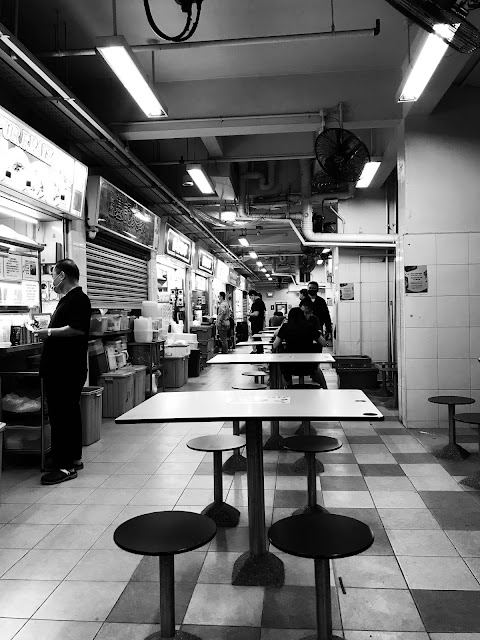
(310,511)
(324,602)
(472,481)
(266,570)
(452,452)
(179,635)
(301,466)
(167,597)
(223,514)
(275,441)
(305,429)
(235,463)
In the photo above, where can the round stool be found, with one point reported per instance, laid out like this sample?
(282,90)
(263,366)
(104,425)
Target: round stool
(258,375)
(310,445)
(471,418)
(452,451)
(165,534)
(223,514)
(249,386)
(322,537)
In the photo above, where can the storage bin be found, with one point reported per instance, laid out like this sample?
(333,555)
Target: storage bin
(194,363)
(358,378)
(177,351)
(118,392)
(140,382)
(206,346)
(176,372)
(351,361)
(113,322)
(145,353)
(91,410)
(25,438)
(204,331)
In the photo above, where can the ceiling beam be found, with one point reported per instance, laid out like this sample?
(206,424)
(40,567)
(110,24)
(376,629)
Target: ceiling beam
(236,126)
(213,146)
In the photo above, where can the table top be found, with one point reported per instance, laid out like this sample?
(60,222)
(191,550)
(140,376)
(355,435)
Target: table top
(322,536)
(164,533)
(271,358)
(451,400)
(268,404)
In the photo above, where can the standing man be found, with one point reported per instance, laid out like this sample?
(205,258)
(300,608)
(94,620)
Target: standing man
(223,321)
(320,309)
(257,315)
(63,367)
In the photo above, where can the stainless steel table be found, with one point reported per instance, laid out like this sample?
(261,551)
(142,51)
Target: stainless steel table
(256,566)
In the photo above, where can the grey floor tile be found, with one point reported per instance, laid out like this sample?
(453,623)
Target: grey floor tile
(58,630)
(381,470)
(234,606)
(448,611)
(21,598)
(45,564)
(292,607)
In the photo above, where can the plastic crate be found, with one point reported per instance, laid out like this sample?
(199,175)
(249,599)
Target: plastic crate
(118,394)
(26,438)
(139,382)
(176,350)
(91,410)
(358,378)
(345,362)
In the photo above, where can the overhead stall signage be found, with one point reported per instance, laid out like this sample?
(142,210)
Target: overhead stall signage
(222,271)
(206,261)
(234,278)
(33,166)
(119,213)
(177,245)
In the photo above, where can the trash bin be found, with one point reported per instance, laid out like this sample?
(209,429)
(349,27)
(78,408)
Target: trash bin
(2,430)
(358,378)
(194,363)
(119,392)
(91,410)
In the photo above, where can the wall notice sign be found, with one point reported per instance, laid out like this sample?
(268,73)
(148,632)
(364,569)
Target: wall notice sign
(347,291)
(29,269)
(30,294)
(13,268)
(416,279)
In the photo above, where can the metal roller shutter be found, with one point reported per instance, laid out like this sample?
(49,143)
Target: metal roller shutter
(115,279)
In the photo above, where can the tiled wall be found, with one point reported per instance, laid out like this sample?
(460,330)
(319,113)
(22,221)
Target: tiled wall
(362,326)
(441,329)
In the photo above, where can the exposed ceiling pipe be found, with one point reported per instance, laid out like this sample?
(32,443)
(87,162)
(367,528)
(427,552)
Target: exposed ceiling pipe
(70,103)
(387,240)
(264,182)
(233,42)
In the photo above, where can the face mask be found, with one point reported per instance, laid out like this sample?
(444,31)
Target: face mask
(56,287)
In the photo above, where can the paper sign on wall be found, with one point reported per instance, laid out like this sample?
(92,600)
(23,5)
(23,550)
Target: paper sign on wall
(13,268)
(416,279)
(29,269)
(347,291)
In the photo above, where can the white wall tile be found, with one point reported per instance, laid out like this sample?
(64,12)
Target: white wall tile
(343,312)
(379,351)
(344,332)
(366,331)
(377,271)
(355,331)
(365,312)
(418,406)
(420,249)
(365,292)
(474,373)
(354,311)
(474,279)
(454,313)
(343,272)
(452,280)
(365,348)
(454,373)
(378,292)
(379,331)
(453,342)
(422,373)
(420,311)
(474,248)
(452,248)
(378,311)
(421,343)
(474,311)
(475,342)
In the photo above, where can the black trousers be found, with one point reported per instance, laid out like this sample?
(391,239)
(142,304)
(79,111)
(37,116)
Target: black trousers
(63,400)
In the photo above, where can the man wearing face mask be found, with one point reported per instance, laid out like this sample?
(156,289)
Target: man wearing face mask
(320,309)
(63,367)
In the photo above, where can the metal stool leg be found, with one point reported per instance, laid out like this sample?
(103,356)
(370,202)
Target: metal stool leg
(305,429)
(300,466)
(452,451)
(224,515)
(323,601)
(236,462)
(312,506)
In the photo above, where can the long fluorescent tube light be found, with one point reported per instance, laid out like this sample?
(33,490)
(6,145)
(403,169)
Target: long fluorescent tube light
(426,62)
(368,173)
(243,241)
(200,178)
(259,263)
(16,210)
(263,270)
(119,57)
(253,255)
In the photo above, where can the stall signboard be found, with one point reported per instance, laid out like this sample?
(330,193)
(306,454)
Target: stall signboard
(114,210)
(33,166)
(206,262)
(178,246)
(234,278)
(222,271)
(243,283)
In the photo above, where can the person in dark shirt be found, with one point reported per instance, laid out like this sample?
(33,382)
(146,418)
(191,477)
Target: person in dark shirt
(299,337)
(257,313)
(276,320)
(63,367)
(320,309)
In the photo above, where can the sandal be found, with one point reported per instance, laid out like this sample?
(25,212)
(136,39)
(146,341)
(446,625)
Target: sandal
(60,475)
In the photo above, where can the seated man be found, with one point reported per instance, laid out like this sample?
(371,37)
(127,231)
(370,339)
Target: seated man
(299,337)
(276,320)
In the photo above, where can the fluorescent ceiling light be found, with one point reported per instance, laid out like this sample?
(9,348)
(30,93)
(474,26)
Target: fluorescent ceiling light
(243,241)
(325,251)
(200,178)
(119,57)
(369,171)
(228,216)
(253,255)
(259,263)
(16,210)
(426,62)
(263,270)
(319,261)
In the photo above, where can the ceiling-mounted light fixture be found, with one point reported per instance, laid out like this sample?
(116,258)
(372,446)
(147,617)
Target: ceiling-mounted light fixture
(426,62)
(263,270)
(200,178)
(243,241)
(259,263)
(228,216)
(367,175)
(118,55)
(324,251)
(252,255)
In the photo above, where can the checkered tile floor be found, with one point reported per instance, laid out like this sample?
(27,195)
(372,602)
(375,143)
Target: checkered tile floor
(61,576)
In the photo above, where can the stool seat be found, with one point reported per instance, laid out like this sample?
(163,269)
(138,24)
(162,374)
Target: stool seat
(451,400)
(255,374)
(469,418)
(249,386)
(164,533)
(216,443)
(312,444)
(322,536)
(305,386)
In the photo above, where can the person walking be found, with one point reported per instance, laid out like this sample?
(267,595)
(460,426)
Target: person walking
(223,321)
(320,309)
(63,368)
(257,314)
